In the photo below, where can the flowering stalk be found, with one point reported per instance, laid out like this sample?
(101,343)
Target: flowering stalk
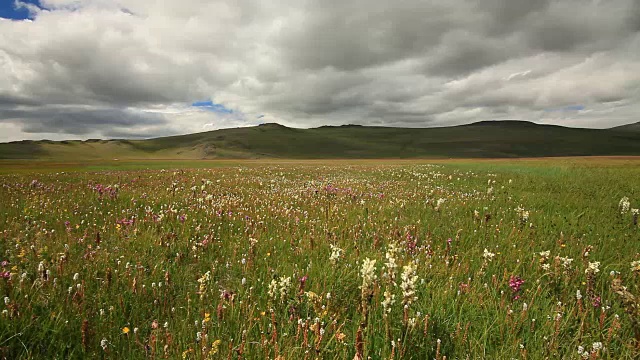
(368,281)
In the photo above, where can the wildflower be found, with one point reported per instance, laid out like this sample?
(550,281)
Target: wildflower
(624,205)
(635,266)
(522,214)
(203,283)
(566,262)
(515,282)
(303,281)
(583,354)
(279,288)
(578,295)
(7,300)
(487,255)
(214,347)
(408,284)
(368,278)
(593,268)
(389,299)
(125,330)
(391,262)
(596,346)
(368,273)
(104,343)
(439,203)
(336,252)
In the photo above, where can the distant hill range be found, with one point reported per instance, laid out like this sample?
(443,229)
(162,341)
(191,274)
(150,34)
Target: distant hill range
(485,139)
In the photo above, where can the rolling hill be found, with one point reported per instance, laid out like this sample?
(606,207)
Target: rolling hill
(485,139)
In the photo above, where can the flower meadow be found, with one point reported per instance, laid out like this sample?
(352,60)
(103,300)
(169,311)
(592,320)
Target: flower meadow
(361,260)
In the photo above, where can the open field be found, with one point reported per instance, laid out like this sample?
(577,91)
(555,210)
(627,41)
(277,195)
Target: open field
(326,259)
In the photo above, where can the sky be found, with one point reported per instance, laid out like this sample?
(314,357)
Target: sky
(78,69)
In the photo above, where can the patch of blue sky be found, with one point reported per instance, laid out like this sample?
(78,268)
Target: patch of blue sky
(568,108)
(211,106)
(10,9)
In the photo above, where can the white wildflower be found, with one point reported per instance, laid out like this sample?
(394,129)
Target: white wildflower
(391,264)
(487,255)
(566,262)
(522,214)
(624,205)
(368,277)
(279,288)
(408,284)
(336,252)
(389,299)
(593,268)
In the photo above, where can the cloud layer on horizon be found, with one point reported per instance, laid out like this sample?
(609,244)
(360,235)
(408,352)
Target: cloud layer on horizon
(126,68)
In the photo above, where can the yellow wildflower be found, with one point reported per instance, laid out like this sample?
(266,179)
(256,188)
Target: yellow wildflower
(214,347)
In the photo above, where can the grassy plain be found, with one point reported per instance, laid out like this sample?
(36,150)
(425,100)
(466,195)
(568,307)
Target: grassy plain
(327,259)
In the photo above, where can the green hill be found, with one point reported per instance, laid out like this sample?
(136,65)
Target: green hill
(486,139)
(635,127)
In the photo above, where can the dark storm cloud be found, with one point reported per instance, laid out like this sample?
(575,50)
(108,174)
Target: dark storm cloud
(309,63)
(12,101)
(81,121)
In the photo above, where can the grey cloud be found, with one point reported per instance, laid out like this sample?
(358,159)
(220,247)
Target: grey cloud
(7,100)
(506,16)
(358,34)
(462,52)
(81,121)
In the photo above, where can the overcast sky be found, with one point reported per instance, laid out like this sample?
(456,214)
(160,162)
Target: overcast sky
(77,69)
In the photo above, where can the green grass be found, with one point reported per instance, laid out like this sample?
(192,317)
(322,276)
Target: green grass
(141,251)
(500,139)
